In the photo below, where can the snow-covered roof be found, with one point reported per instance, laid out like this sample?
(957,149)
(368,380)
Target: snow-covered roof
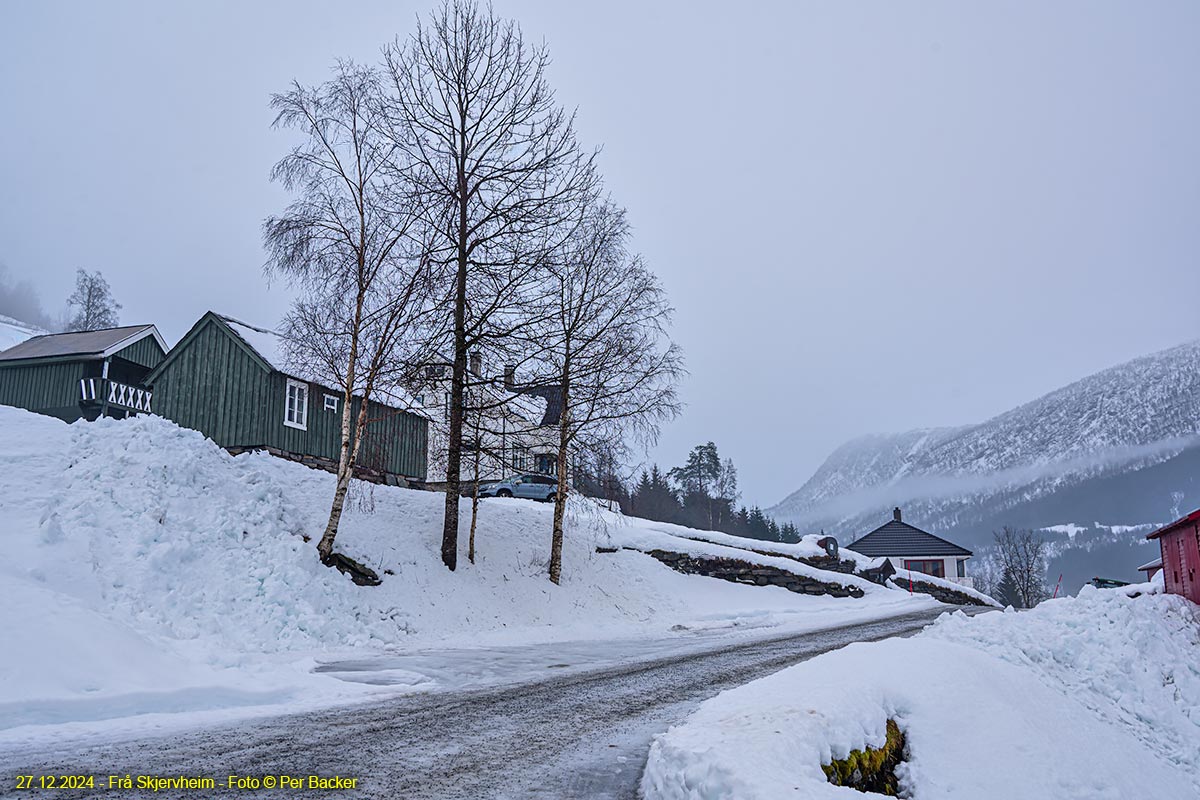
(267,343)
(271,346)
(82,344)
(1155,564)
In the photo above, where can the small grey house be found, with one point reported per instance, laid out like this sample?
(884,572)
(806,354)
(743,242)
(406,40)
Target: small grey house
(227,380)
(82,375)
(909,547)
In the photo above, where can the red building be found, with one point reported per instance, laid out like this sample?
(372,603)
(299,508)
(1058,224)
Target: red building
(1180,544)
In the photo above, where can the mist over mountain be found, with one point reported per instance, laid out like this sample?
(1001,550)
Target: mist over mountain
(1095,465)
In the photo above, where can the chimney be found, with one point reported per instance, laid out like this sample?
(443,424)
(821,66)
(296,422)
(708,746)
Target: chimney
(510,378)
(475,364)
(896,513)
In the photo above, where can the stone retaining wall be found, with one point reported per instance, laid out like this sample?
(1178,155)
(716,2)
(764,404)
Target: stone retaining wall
(939,593)
(732,569)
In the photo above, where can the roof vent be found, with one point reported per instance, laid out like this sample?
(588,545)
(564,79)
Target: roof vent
(896,513)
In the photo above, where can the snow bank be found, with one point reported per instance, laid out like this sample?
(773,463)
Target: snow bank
(1080,698)
(68,663)
(1132,662)
(195,564)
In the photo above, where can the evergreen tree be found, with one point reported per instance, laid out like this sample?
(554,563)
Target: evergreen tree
(1007,592)
(701,472)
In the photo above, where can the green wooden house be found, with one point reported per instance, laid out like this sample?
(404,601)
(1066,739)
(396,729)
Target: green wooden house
(83,375)
(229,381)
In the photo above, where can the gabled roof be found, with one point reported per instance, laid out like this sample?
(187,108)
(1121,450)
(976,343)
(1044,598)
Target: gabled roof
(193,332)
(898,538)
(82,344)
(265,347)
(266,343)
(1190,518)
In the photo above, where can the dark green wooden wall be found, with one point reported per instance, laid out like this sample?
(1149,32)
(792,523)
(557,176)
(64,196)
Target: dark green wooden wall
(214,386)
(144,351)
(50,387)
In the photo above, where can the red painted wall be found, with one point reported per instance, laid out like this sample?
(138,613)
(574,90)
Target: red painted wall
(1181,560)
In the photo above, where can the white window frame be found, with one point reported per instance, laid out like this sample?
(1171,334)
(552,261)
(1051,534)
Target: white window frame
(331,406)
(296,416)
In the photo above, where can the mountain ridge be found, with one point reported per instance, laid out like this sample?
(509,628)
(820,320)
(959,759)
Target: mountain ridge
(966,480)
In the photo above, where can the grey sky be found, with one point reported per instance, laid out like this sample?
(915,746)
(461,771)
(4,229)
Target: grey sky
(870,216)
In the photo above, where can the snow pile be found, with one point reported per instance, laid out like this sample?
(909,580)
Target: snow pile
(1132,662)
(1081,698)
(193,564)
(162,529)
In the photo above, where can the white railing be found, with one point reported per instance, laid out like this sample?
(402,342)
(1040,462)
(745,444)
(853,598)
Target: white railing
(119,394)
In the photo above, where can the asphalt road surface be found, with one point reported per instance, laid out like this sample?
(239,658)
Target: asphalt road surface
(584,735)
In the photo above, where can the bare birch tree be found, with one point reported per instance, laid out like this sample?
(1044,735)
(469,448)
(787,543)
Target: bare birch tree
(607,350)
(344,240)
(92,306)
(1022,556)
(494,161)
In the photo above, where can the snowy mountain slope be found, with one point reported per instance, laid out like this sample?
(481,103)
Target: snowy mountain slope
(13,332)
(1072,455)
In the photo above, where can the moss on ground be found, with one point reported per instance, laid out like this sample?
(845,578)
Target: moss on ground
(872,769)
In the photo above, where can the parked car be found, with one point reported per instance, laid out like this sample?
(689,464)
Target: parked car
(535,487)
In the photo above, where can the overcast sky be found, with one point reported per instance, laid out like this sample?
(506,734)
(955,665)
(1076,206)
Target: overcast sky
(869,216)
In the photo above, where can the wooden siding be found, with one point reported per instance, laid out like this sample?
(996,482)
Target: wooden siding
(144,351)
(50,388)
(41,386)
(395,440)
(214,387)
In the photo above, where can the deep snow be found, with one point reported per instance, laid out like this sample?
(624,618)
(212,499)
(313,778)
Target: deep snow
(1081,698)
(13,332)
(156,573)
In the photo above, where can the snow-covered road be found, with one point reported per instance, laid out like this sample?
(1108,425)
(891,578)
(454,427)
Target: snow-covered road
(584,734)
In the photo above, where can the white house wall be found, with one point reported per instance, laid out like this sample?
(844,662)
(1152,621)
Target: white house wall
(504,434)
(949,567)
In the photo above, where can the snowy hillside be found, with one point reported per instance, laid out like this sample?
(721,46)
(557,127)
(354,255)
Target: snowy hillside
(163,574)
(13,332)
(1118,448)
(1080,698)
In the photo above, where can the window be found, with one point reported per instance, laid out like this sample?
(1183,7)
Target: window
(962,568)
(331,401)
(547,464)
(518,458)
(934,567)
(295,412)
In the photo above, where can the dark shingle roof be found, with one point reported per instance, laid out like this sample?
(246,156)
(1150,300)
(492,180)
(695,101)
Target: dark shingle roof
(898,538)
(83,344)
